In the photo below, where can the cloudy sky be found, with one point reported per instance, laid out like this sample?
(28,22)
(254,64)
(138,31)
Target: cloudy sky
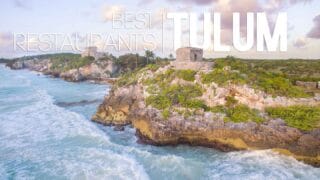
(69,26)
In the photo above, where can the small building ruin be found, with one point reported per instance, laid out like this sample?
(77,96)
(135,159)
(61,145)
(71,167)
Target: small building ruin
(190,58)
(92,51)
(189,54)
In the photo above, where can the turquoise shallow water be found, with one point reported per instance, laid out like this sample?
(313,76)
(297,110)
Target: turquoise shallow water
(40,140)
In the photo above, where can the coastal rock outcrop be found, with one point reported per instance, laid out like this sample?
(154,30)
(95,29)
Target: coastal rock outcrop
(98,70)
(116,108)
(127,105)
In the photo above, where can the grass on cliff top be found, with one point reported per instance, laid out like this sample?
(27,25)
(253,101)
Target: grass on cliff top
(187,75)
(131,77)
(293,69)
(301,117)
(165,95)
(222,77)
(179,95)
(244,72)
(166,77)
(236,112)
(65,63)
(242,113)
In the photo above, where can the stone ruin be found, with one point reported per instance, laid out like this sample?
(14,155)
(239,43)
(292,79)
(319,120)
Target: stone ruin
(92,51)
(189,54)
(190,58)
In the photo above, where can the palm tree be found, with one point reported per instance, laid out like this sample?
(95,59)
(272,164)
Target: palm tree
(170,56)
(137,57)
(149,55)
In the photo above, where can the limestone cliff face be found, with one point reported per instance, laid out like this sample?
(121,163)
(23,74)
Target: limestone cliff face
(215,95)
(97,71)
(35,65)
(119,105)
(126,105)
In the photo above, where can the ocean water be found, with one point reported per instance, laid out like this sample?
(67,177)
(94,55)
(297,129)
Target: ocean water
(41,140)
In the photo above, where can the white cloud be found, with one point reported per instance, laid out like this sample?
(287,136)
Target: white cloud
(315,31)
(110,11)
(300,42)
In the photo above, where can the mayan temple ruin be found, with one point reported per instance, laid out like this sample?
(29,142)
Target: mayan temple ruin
(190,58)
(92,51)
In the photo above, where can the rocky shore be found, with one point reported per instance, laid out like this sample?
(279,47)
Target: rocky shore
(127,104)
(167,106)
(96,71)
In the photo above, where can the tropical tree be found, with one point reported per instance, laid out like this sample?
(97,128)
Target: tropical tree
(170,56)
(149,55)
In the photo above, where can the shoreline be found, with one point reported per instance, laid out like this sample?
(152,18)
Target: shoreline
(106,81)
(126,106)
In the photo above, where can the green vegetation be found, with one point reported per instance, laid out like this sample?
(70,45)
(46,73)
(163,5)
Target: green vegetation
(222,77)
(293,69)
(159,101)
(161,79)
(187,75)
(276,84)
(127,63)
(169,75)
(49,56)
(131,77)
(257,74)
(231,101)
(72,62)
(166,113)
(183,96)
(130,62)
(127,79)
(301,117)
(164,96)
(242,113)
(61,62)
(237,112)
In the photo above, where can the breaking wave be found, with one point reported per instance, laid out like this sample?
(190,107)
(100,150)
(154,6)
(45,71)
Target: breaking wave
(41,140)
(44,140)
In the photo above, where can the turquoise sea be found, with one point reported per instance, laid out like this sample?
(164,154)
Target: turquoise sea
(40,139)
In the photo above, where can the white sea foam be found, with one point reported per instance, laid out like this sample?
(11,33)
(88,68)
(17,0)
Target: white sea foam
(263,164)
(44,141)
(62,142)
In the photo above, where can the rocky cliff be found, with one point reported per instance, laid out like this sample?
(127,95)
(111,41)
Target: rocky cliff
(92,70)
(169,107)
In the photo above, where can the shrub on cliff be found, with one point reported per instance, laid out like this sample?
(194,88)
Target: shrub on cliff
(301,117)
(221,77)
(126,79)
(277,85)
(242,113)
(159,101)
(81,62)
(187,75)
(238,113)
(131,62)
(67,62)
(246,72)
(131,77)
(177,95)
